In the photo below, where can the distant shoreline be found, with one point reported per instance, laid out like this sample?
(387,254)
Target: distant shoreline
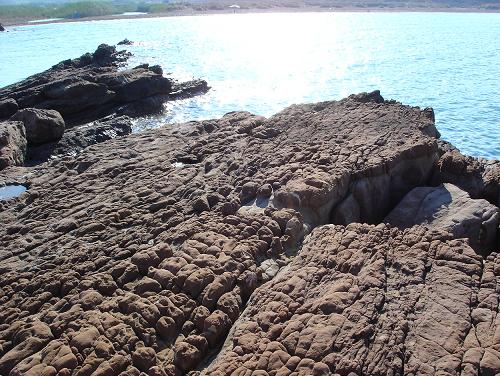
(191,12)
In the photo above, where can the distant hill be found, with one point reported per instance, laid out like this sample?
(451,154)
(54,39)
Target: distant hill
(367,3)
(16,11)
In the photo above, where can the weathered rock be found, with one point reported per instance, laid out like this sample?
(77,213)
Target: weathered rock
(26,340)
(41,126)
(83,249)
(478,177)
(8,107)
(78,138)
(91,87)
(2,28)
(12,144)
(371,300)
(182,90)
(125,42)
(144,358)
(448,208)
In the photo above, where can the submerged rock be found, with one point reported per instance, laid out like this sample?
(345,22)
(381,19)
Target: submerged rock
(140,253)
(448,208)
(125,42)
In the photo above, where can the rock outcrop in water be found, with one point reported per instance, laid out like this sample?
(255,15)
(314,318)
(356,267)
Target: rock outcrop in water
(92,87)
(140,254)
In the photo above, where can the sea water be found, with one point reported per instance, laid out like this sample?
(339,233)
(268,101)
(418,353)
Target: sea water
(11,191)
(264,62)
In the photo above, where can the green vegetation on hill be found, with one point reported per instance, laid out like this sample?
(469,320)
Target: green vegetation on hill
(41,9)
(68,10)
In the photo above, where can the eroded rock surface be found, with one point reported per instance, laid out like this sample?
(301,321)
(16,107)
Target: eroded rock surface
(42,126)
(12,144)
(8,107)
(371,300)
(139,254)
(85,92)
(449,208)
(479,177)
(92,87)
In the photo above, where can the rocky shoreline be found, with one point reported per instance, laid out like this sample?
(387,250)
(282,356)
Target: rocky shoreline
(83,101)
(335,238)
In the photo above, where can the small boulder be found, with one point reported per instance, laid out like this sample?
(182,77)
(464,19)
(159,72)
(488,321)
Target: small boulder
(8,107)
(216,327)
(12,144)
(186,356)
(144,358)
(166,328)
(41,126)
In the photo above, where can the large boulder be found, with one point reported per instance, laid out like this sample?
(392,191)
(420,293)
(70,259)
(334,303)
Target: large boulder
(134,84)
(41,126)
(8,107)
(12,144)
(451,209)
(72,95)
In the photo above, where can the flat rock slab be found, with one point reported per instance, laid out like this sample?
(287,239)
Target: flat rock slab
(140,253)
(371,300)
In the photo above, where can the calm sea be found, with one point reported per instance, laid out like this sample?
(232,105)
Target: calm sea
(264,62)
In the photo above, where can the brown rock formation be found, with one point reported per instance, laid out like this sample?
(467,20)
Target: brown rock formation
(12,144)
(448,208)
(8,107)
(371,300)
(479,177)
(92,87)
(41,126)
(81,94)
(139,254)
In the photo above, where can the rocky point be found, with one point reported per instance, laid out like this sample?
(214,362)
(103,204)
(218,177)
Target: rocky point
(253,246)
(64,107)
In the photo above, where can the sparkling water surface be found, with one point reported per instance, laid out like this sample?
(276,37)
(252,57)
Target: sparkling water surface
(264,62)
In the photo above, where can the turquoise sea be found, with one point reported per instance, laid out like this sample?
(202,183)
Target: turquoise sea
(264,62)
